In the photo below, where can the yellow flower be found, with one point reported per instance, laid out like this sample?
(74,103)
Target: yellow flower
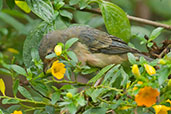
(58,50)
(146,96)
(150,69)
(17,112)
(58,69)
(69,95)
(161,109)
(2,86)
(135,70)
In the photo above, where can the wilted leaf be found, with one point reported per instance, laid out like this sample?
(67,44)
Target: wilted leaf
(23,5)
(2,87)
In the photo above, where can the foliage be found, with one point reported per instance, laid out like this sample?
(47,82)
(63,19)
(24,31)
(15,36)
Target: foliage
(112,89)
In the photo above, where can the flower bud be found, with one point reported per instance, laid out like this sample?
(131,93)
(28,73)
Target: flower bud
(69,95)
(135,70)
(162,61)
(150,69)
(58,50)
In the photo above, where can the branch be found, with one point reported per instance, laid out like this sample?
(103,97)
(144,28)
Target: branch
(132,18)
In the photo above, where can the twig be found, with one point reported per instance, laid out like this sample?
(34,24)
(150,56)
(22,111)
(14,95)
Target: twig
(132,18)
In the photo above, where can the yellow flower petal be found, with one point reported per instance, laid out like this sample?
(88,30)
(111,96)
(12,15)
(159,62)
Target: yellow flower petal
(161,109)
(23,5)
(58,69)
(17,112)
(169,101)
(150,69)
(146,96)
(58,50)
(2,87)
(135,70)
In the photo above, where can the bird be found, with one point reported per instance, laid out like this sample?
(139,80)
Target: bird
(94,47)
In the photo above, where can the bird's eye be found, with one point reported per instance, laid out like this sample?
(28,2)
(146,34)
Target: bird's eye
(49,53)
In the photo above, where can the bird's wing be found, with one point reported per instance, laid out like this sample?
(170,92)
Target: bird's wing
(101,42)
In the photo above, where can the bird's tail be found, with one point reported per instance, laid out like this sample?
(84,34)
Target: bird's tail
(138,55)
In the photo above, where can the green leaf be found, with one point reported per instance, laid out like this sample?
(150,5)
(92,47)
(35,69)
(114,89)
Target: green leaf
(12,108)
(150,44)
(70,42)
(35,54)
(1,4)
(131,58)
(19,70)
(33,40)
(40,87)
(124,76)
(81,101)
(13,22)
(24,92)
(116,20)
(50,56)
(73,2)
(1,112)
(23,5)
(5,71)
(42,9)
(111,73)
(83,4)
(10,101)
(15,87)
(59,5)
(66,13)
(155,33)
(100,74)
(163,75)
(72,108)
(50,110)
(10,3)
(72,55)
(55,97)
(96,110)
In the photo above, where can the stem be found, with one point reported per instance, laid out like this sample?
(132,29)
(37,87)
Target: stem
(66,81)
(28,101)
(132,18)
(109,88)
